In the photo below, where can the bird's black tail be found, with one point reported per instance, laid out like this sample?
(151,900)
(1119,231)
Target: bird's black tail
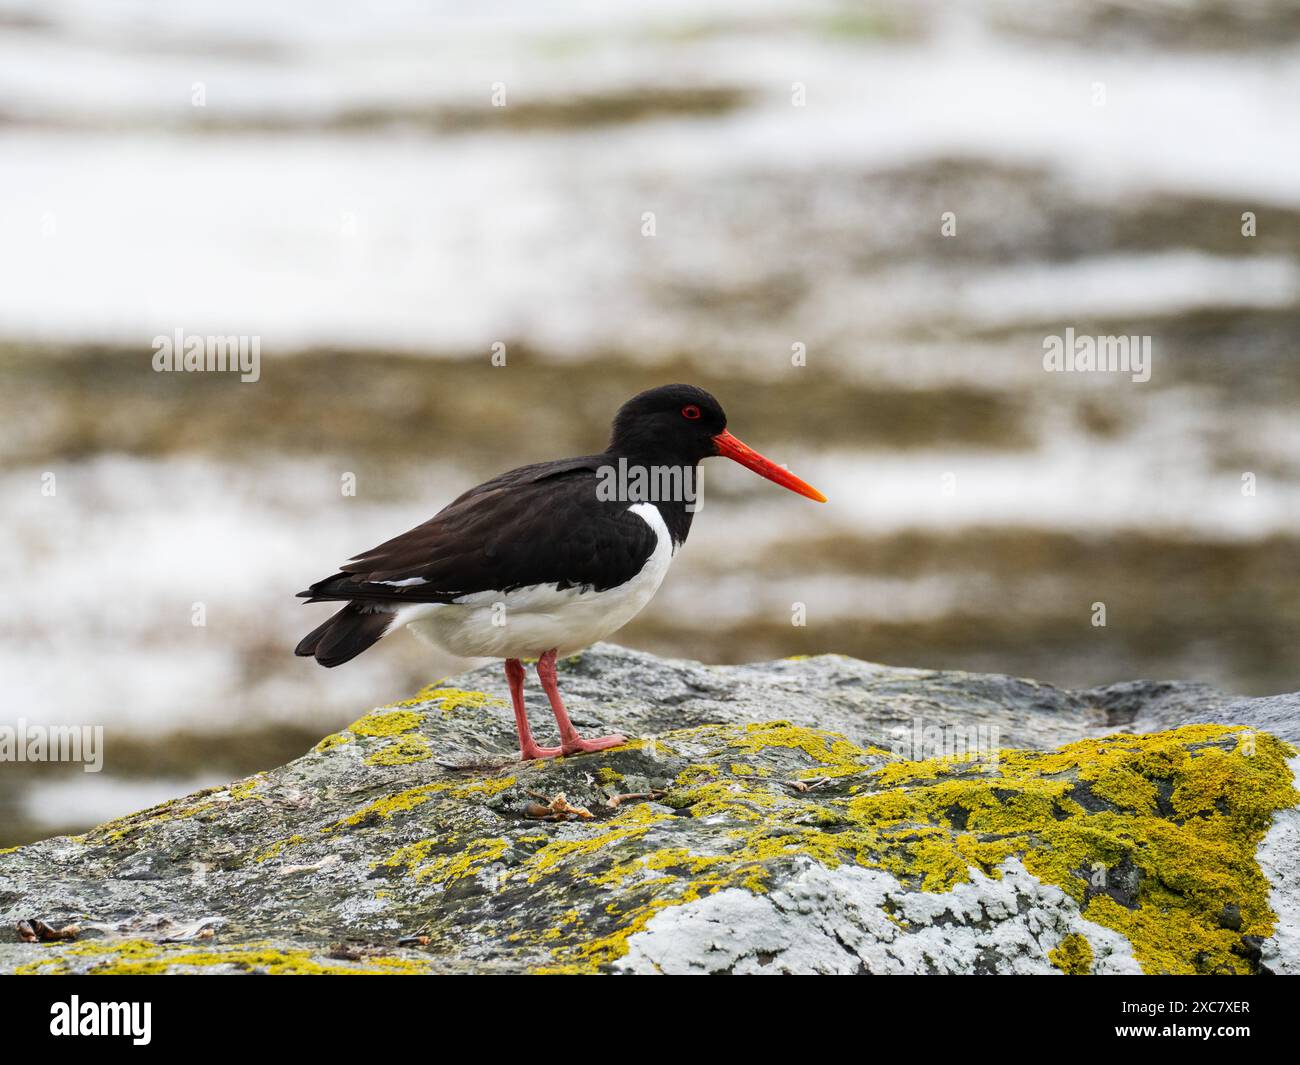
(349,632)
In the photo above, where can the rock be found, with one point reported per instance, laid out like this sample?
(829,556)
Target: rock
(795,816)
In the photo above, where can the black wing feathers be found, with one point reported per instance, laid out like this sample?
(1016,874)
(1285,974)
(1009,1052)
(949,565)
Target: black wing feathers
(539,524)
(344,636)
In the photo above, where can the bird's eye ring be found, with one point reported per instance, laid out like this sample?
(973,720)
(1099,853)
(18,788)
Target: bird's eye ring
(691,412)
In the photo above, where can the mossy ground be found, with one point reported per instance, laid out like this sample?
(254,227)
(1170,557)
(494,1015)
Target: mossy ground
(142,957)
(1073,955)
(1152,836)
(1186,809)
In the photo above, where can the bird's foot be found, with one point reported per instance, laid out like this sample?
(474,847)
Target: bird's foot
(577,745)
(532,751)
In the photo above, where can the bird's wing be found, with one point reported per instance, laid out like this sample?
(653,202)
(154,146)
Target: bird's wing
(537,525)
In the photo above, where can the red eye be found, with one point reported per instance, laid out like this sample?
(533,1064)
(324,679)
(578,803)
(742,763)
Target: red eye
(691,412)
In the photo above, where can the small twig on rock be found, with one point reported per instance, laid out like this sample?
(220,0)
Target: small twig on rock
(631,796)
(413,941)
(37,931)
(554,809)
(807,785)
(46,934)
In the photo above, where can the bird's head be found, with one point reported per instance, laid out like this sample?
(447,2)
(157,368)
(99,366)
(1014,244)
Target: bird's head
(682,424)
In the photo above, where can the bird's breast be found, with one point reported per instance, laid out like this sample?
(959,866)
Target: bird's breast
(530,620)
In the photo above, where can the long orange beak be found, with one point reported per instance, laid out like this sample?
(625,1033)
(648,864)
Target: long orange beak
(733,449)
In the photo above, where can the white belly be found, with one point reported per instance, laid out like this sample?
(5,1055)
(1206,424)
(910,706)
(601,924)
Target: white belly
(528,622)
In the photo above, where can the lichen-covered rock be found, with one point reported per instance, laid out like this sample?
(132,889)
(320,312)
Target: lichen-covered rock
(785,817)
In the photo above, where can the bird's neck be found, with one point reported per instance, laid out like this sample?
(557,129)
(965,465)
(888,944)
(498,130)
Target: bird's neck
(673,486)
(677,515)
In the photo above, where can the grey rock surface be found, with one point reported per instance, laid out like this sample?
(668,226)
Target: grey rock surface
(793,816)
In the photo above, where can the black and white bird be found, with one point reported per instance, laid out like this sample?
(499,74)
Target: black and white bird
(546,559)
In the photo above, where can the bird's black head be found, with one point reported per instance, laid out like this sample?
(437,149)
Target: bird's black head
(678,425)
(670,424)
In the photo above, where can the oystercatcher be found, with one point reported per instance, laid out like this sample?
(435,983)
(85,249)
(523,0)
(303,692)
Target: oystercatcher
(546,559)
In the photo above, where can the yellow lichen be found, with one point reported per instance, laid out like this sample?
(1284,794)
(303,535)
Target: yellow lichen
(215,798)
(448,868)
(403,751)
(409,856)
(633,823)
(724,797)
(1152,836)
(137,957)
(827,748)
(450,700)
(404,801)
(334,739)
(929,823)
(274,850)
(1073,955)
(385,723)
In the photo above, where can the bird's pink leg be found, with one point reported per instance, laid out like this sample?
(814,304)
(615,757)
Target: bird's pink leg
(528,747)
(570,741)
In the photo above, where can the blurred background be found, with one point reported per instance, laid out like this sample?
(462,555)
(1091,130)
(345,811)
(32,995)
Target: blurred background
(334,179)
